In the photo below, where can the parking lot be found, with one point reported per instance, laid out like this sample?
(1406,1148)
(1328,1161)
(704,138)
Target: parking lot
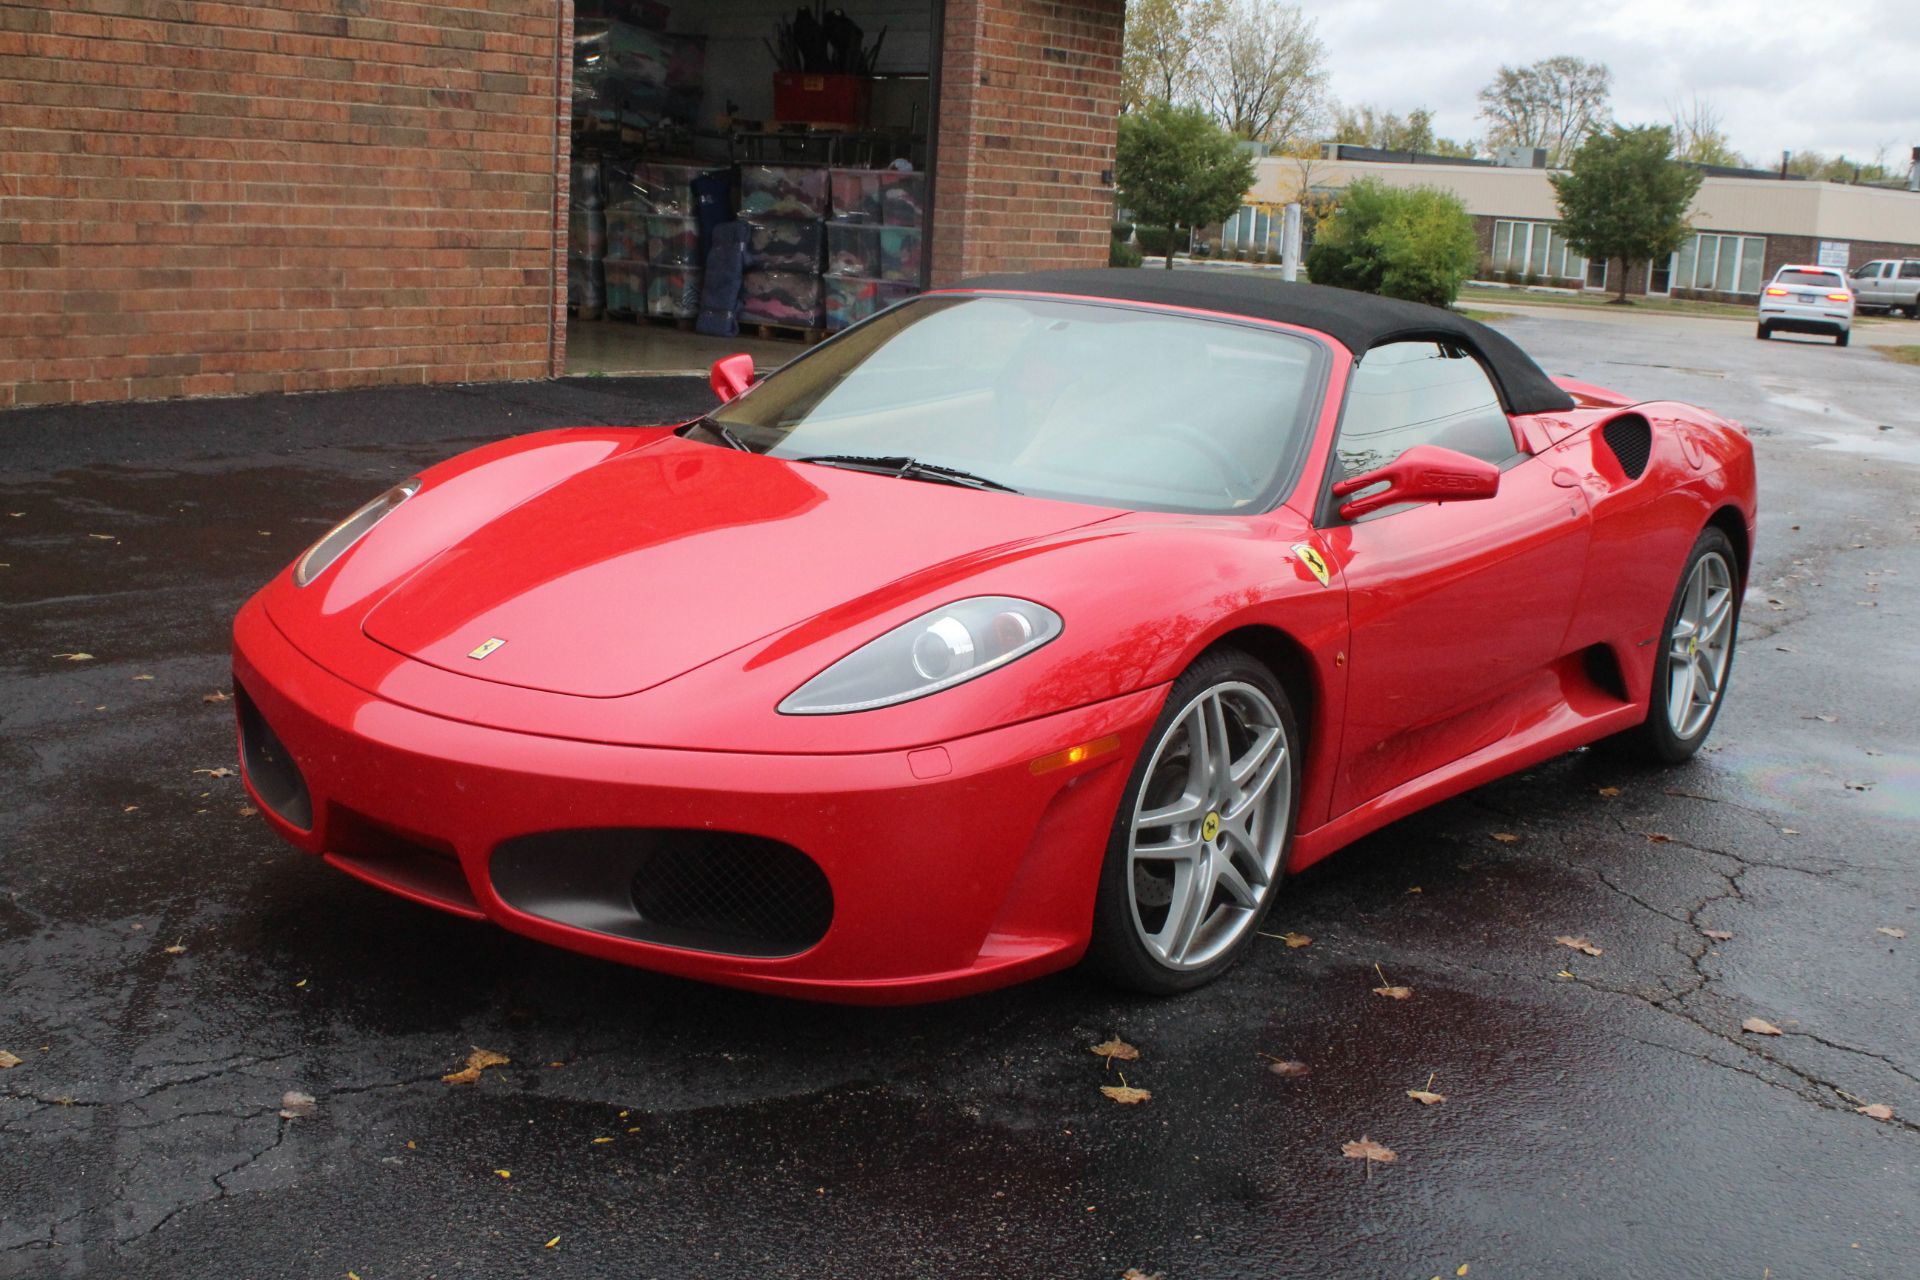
(171,972)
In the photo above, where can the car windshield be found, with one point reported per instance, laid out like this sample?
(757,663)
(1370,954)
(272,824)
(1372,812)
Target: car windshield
(1818,279)
(1108,404)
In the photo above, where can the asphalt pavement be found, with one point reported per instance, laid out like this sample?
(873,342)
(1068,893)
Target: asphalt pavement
(170,973)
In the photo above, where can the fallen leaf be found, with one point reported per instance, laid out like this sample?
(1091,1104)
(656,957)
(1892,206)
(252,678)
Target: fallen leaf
(1394,993)
(1788,831)
(601,1141)
(75,657)
(1463,1269)
(551,1243)
(1135,1273)
(1413,888)
(477,1061)
(177,949)
(1564,973)
(1116,1048)
(301,983)
(1656,837)
(216,696)
(1296,939)
(1876,1111)
(221,772)
(246,811)
(1822,719)
(1609,791)
(1426,1097)
(103,537)
(143,677)
(1578,944)
(1718,935)
(1891,932)
(505,1173)
(1760,1027)
(1368,1149)
(294,1104)
(1124,1094)
(1506,837)
(1288,1069)
(8,1061)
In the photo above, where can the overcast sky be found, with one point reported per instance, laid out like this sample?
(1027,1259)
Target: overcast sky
(1835,76)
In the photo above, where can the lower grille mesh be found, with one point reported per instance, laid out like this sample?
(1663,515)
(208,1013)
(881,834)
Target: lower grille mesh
(731,884)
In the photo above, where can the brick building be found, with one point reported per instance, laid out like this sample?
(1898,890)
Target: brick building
(204,197)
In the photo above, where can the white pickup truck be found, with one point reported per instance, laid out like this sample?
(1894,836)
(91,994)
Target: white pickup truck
(1889,284)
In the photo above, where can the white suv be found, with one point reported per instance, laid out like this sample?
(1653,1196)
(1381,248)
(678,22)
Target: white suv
(1807,300)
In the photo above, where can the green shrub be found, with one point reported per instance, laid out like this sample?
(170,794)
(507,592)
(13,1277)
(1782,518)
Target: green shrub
(1153,241)
(1416,243)
(1122,254)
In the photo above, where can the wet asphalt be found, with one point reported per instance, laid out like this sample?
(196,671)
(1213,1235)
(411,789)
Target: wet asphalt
(169,971)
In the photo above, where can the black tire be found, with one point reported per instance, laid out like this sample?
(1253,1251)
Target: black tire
(1118,950)
(1763,333)
(1655,740)
(1913,312)
(1841,341)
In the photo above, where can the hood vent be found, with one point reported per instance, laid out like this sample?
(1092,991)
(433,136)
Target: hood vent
(1630,437)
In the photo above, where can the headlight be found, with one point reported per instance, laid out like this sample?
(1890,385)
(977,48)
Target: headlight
(349,531)
(933,652)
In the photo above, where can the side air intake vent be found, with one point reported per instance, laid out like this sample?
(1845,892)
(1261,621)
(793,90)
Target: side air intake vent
(1631,439)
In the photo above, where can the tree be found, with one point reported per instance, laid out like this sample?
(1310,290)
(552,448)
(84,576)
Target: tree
(1262,71)
(1554,103)
(1820,167)
(1698,137)
(1416,243)
(1625,197)
(1161,57)
(1174,167)
(1369,126)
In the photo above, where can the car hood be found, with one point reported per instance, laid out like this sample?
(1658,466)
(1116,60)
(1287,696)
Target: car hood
(655,561)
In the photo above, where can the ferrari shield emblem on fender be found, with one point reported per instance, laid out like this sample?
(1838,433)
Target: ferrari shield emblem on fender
(492,643)
(1316,564)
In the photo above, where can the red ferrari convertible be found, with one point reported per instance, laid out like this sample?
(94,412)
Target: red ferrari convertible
(1045,617)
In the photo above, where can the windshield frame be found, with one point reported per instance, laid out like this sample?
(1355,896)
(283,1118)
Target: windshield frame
(1286,473)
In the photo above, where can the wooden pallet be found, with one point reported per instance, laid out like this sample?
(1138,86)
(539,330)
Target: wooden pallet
(782,332)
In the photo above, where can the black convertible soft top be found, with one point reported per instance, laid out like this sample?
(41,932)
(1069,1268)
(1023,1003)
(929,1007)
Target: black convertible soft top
(1358,321)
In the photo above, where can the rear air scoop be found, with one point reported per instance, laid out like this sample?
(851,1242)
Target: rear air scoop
(650,564)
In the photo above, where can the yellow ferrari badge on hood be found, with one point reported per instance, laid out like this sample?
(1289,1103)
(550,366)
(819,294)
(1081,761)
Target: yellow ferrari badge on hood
(482,650)
(1316,564)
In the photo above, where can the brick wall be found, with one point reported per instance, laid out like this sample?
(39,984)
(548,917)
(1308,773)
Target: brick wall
(1029,95)
(199,198)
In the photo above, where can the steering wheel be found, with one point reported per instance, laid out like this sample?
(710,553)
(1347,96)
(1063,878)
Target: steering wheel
(1233,473)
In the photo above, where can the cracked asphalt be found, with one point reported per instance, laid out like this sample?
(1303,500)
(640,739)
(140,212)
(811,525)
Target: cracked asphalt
(169,971)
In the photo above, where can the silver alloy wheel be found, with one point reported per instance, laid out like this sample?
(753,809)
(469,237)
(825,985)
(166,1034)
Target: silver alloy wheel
(1209,826)
(1701,644)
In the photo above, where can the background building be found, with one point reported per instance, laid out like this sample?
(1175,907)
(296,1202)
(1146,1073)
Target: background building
(200,197)
(1747,223)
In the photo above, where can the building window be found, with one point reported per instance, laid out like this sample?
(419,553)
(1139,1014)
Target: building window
(1535,249)
(1660,275)
(1596,274)
(1711,263)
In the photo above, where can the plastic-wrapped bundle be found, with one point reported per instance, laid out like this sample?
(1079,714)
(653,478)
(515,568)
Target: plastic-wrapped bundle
(879,253)
(785,244)
(585,189)
(587,232)
(586,288)
(627,233)
(791,298)
(673,291)
(626,286)
(720,285)
(673,242)
(851,299)
(650,72)
(782,191)
(882,196)
(667,189)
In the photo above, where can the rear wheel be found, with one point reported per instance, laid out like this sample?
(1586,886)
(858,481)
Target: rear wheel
(1696,656)
(1763,333)
(1841,341)
(1201,837)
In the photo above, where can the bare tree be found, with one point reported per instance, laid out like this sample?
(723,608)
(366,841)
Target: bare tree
(1262,71)
(1162,50)
(1369,126)
(1698,135)
(1554,103)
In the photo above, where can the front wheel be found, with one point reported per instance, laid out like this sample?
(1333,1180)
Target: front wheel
(1690,675)
(1201,837)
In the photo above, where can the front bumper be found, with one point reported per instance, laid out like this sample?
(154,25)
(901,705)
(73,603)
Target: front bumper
(953,867)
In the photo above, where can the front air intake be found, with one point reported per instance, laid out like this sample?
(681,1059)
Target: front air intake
(270,768)
(1630,437)
(718,891)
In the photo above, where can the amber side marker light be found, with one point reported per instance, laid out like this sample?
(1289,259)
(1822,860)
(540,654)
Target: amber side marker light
(1076,755)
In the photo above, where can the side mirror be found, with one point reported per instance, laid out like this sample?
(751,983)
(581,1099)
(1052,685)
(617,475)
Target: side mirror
(731,376)
(1424,473)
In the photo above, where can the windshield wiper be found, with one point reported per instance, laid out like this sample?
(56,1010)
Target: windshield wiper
(908,469)
(721,432)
